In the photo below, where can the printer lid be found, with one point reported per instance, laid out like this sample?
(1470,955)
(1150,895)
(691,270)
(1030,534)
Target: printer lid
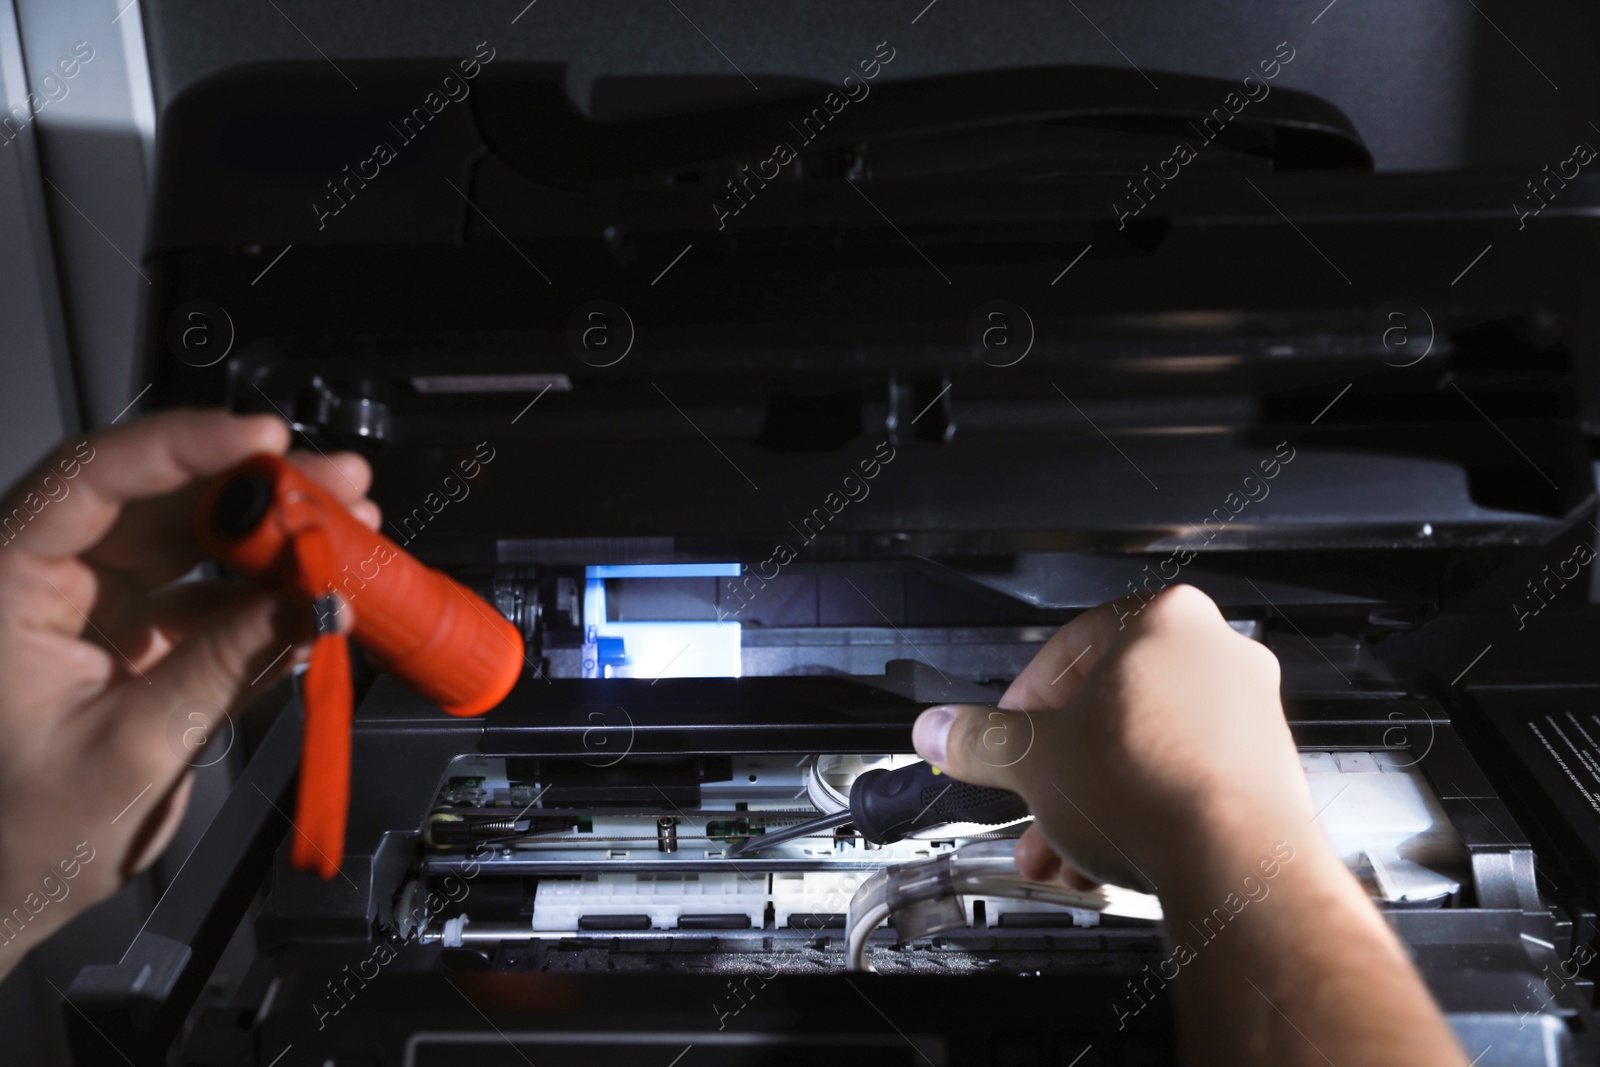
(1069,334)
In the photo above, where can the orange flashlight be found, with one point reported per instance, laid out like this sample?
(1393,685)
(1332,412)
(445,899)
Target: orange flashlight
(275,525)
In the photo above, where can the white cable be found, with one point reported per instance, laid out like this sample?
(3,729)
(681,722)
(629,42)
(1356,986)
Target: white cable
(829,798)
(823,796)
(1111,900)
(856,945)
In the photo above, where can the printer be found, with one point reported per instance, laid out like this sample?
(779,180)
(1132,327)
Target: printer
(771,419)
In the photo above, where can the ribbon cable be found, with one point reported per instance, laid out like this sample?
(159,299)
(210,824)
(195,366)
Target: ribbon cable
(323,802)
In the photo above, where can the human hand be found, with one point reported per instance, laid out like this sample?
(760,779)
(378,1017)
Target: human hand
(100,652)
(1154,753)
(1150,746)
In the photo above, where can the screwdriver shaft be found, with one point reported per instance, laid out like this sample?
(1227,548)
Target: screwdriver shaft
(757,842)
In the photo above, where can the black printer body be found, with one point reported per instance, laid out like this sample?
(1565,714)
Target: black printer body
(769,424)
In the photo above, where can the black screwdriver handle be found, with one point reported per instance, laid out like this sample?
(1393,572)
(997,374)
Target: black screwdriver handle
(887,806)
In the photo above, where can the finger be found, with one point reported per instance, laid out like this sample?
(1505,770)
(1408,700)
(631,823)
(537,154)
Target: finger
(977,744)
(344,474)
(78,672)
(86,606)
(182,614)
(1073,878)
(182,611)
(367,514)
(1038,862)
(1056,672)
(154,623)
(232,658)
(64,514)
(55,594)
(154,832)
(153,541)
(988,746)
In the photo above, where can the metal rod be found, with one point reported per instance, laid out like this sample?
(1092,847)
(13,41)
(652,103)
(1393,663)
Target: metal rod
(758,842)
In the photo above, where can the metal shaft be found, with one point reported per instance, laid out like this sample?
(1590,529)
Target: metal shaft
(758,842)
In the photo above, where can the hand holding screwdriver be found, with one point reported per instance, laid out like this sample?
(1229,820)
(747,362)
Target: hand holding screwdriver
(888,806)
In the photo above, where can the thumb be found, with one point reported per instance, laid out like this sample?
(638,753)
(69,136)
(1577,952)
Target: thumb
(974,743)
(212,672)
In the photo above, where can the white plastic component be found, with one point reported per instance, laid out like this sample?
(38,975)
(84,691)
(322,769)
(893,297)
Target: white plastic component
(452,931)
(829,893)
(760,783)
(1395,762)
(1358,808)
(666,898)
(1318,763)
(813,893)
(1377,811)
(831,776)
(558,905)
(995,907)
(676,649)
(1356,762)
(668,649)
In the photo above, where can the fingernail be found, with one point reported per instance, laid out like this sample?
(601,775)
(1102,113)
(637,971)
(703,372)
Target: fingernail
(931,733)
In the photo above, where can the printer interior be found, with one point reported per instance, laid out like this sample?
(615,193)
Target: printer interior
(753,512)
